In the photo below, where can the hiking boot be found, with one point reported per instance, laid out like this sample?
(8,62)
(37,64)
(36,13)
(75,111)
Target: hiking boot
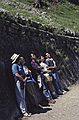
(54,96)
(60,93)
(52,101)
(66,89)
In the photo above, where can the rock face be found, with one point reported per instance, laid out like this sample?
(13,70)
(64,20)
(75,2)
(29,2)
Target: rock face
(8,105)
(18,35)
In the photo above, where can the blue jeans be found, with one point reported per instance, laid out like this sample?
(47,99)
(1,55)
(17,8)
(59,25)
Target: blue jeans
(57,83)
(46,92)
(20,96)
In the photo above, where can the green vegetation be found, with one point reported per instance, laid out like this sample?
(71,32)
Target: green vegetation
(61,16)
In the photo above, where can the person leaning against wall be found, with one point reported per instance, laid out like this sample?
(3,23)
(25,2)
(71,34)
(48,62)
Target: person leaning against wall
(19,76)
(55,78)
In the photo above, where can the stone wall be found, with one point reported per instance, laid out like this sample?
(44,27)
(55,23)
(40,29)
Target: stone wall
(22,36)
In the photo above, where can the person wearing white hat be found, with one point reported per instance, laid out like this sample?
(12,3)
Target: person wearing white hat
(19,76)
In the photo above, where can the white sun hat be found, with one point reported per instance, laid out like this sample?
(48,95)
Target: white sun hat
(14,57)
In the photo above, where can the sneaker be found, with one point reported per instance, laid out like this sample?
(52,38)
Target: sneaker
(27,114)
(64,92)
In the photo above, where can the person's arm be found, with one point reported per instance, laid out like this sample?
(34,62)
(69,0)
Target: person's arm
(20,77)
(54,64)
(16,74)
(35,65)
(52,67)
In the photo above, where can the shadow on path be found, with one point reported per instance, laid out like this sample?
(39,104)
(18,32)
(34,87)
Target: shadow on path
(38,110)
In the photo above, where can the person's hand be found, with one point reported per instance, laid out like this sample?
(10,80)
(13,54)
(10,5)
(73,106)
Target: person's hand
(30,71)
(50,68)
(24,79)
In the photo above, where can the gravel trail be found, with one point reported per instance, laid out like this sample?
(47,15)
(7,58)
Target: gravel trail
(65,108)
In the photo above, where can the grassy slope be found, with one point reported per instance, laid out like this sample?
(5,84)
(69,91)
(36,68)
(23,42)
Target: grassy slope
(64,15)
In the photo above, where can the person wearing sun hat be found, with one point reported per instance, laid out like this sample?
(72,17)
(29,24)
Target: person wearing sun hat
(19,76)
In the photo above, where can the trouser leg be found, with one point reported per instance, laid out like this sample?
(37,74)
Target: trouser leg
(57,84)
(51,89)
(20,96)
(34,93)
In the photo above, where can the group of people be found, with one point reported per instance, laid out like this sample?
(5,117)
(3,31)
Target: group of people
(42,82)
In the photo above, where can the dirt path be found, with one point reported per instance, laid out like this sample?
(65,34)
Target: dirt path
(65,108)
